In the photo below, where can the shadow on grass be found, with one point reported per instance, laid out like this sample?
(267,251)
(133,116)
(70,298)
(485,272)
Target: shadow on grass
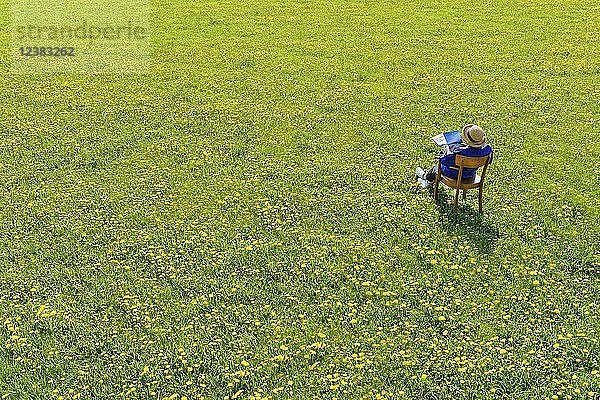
(466,222)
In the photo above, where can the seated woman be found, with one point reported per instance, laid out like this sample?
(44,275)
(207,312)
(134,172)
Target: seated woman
(473,145)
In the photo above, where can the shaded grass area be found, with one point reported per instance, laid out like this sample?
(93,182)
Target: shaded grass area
(242,220)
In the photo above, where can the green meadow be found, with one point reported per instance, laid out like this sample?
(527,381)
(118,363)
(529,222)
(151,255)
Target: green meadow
(242,221)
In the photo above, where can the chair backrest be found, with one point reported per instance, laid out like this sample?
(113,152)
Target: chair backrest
(471,162)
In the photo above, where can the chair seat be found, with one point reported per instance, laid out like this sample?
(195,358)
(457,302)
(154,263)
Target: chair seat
(465,184)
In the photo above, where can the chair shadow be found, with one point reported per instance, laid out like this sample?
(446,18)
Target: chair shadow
(466,221)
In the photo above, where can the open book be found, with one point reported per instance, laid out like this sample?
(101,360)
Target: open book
(446,138)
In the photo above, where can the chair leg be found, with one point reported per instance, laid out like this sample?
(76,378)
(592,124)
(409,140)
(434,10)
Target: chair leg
(464,194)
(435,189)
(456,198)
(480,199)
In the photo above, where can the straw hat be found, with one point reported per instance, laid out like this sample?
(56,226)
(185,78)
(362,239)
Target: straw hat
(473,135)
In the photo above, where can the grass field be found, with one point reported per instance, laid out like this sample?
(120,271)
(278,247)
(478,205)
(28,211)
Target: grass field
(242,221)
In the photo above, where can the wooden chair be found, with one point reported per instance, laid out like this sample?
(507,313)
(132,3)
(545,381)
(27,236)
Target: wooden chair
(460,183)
